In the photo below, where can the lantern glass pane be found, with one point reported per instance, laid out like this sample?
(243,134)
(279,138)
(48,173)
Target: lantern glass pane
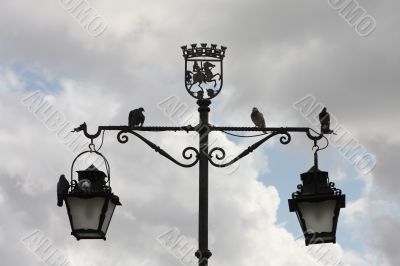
(318,216)
(107,219)
(85,212)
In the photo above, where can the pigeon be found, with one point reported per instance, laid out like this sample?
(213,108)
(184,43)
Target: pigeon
(136,117)
(325,120)
(62,189)
(258,118)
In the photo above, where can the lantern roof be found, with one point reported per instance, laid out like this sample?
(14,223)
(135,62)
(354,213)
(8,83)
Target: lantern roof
(314,168)
(91,169)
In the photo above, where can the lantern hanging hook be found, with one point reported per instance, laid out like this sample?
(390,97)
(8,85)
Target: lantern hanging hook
(317,148)
(92,147)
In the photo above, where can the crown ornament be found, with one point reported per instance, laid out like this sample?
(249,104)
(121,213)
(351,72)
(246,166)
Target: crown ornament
(203,51)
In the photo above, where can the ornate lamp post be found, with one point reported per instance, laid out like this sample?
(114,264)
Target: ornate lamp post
(314,203)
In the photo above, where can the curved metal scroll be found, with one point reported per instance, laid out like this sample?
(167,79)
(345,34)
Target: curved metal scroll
(298,192)
(285,139)
(187,153)
(335,190)
(315,137)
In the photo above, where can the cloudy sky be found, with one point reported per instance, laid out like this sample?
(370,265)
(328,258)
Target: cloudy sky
(96,60)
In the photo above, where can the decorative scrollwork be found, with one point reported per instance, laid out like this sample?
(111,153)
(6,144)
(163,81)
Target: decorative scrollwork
(285,139)
(217,153)
(314,137)
(203,70)
(188,153)
(218,156)
(335,190)
(122,137)
(298,192)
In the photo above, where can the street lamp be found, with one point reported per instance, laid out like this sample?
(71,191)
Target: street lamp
(90,202)
(317,203)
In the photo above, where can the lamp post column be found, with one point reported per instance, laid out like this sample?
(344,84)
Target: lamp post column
(203,254)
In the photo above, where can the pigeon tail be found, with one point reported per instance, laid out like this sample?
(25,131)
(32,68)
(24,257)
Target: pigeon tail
(59,200)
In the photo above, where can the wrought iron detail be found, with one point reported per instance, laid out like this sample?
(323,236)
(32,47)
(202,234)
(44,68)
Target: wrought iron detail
(74,182)
(298,192)
(280,130)
(203,254)
(187,153)
(203,70)
(203,78)
(203,51)
(314,137)
(335,190)
(285,139)
(83,128)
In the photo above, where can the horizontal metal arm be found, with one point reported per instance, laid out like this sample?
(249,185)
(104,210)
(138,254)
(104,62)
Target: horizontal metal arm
(278,130)
(291,129)
(189,128)
(123,138)
(127,128)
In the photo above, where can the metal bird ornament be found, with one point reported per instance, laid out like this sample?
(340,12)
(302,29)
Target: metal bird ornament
(62,189)
(80,128)
(325,120)
(136,117)
(258,118)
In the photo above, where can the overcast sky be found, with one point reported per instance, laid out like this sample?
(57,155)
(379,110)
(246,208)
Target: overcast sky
(96,60)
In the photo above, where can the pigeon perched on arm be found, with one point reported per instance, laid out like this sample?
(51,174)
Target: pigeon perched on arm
(62,189)
(136,117)
(258,118)
(325,120)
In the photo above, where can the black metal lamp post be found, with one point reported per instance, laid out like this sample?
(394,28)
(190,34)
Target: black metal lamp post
(90,203)
(203,81)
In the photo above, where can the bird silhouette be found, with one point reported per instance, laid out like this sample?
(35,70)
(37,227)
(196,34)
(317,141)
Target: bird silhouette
(136,117)
(62,189)
(325,120)
(258,118)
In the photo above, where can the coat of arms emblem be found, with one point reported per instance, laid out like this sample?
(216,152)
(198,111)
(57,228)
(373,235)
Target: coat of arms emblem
(203,70)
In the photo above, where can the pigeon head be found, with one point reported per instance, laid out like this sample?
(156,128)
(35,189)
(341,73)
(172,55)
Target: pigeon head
(323,110)
(141,109)
(255,109)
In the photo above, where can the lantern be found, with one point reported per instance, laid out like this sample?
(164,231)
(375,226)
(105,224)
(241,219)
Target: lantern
(90,202)
(317,204)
